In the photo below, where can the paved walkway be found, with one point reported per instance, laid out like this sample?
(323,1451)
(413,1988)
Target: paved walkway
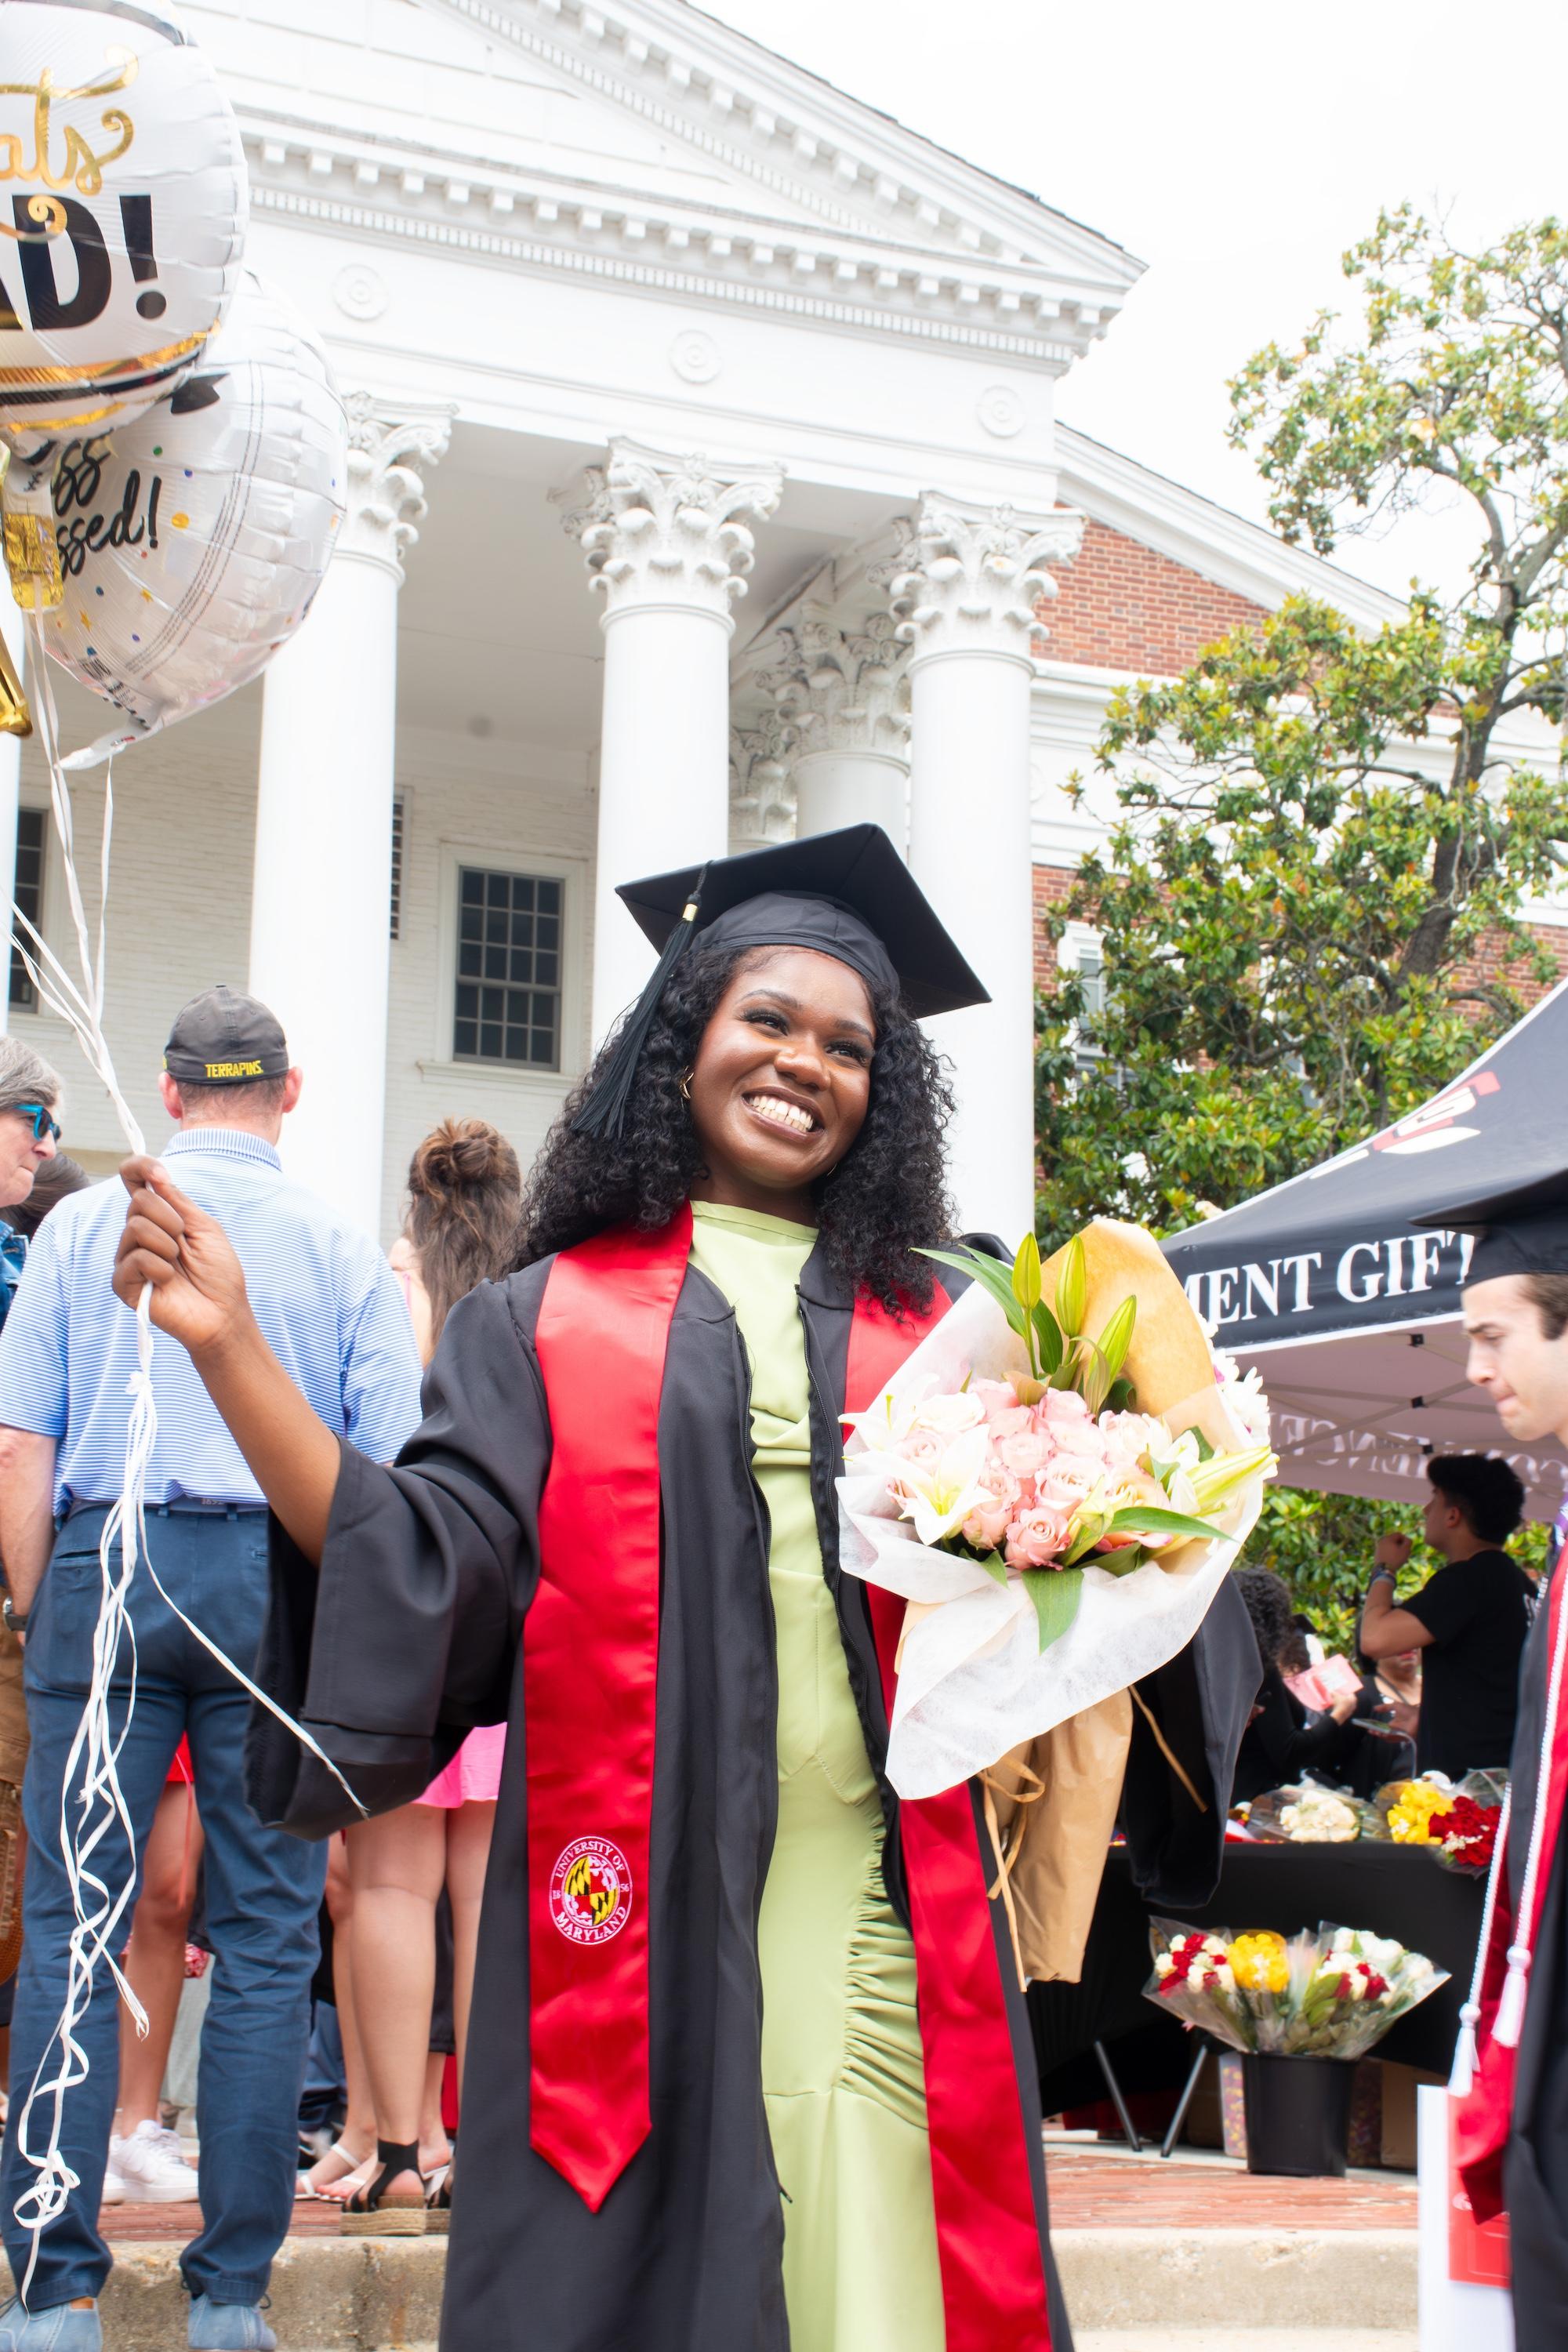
(1091,2187)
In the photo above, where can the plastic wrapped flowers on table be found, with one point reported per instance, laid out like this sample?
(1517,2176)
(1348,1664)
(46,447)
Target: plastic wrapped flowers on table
(1311,1814)
(1055,1482)
(1333,1994)
(1457,1822)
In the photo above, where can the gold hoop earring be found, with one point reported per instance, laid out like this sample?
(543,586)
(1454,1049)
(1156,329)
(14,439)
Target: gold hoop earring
(686,1088)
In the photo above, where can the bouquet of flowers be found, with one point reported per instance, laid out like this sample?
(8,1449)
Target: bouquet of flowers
(1311,1814)
(1333,1994)
(1054,1481)
(1457,1823)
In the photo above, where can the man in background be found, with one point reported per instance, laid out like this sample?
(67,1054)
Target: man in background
(332,1311)
(1469,1622)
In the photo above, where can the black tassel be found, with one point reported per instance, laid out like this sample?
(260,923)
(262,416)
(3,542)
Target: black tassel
(604,1112)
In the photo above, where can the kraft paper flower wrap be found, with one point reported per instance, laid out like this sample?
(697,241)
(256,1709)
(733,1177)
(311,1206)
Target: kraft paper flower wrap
(1021,1675)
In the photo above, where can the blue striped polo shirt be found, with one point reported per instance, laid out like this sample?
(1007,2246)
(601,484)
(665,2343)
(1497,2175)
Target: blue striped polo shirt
(323,1294)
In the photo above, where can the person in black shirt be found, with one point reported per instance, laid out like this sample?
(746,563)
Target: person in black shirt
(1470,1621)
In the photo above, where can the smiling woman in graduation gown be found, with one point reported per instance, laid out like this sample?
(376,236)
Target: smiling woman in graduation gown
(750,2067)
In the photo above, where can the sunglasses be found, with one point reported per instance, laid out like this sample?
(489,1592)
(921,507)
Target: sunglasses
(43,1124)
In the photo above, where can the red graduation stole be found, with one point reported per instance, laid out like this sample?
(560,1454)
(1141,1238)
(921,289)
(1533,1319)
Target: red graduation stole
(589,1690)
(1484,2116)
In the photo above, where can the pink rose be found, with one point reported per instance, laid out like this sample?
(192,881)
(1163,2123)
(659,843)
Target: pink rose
(1012,1422)
(1037,1536)
(986,1527)
(1069,1477)
(1062,1408)
(994,1397)
(1026,1454)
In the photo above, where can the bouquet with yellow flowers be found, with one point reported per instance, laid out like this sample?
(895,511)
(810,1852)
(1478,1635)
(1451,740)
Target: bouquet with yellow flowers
(1331,1994)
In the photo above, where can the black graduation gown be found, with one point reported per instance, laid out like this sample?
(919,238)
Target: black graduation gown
(1535,2167)
(410,1635)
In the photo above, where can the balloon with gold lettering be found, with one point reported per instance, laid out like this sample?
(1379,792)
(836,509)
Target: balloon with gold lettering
(122,211)
(192,541)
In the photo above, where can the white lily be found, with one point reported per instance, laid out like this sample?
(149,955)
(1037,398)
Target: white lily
(939,1495)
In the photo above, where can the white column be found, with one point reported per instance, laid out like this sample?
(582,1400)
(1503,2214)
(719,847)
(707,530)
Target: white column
(843,693)
(967,597)
(322,882)
(10,798)
(665,548)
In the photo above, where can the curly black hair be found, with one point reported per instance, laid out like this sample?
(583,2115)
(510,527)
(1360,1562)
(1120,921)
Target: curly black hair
(1268,1604)
(885,1198)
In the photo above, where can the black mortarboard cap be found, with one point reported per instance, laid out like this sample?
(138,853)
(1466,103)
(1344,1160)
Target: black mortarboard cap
(1521,1229)
(223,1039)
(847,894)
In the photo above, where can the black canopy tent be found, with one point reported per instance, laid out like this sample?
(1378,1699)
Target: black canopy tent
(1351,1312)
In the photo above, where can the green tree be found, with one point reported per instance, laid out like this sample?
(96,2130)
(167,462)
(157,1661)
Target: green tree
(1317,826)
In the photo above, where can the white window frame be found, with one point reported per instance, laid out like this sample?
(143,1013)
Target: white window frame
(571,873)
(1077,939)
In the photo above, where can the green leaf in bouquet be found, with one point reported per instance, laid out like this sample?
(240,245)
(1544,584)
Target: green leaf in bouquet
(1117,1336)
(1048,1336)
(1073,1287)
(1138,1519)
(1094,1379)
(1056,1593)
(996,1279)
(991,1561)
(1091,1527)
(1027,1273)
(1123,1396)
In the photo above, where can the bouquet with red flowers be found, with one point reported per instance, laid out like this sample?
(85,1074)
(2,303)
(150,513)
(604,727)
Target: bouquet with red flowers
(1464,1833)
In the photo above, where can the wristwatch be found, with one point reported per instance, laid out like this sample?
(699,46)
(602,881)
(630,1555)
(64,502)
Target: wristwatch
(1381,1576)
(15,1618)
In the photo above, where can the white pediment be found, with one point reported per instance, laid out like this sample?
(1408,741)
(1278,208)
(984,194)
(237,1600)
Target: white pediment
(649,129)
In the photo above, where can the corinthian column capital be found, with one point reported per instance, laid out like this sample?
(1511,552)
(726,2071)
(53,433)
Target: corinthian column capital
(389,441)
(666,530)
(967,579)
(843,690)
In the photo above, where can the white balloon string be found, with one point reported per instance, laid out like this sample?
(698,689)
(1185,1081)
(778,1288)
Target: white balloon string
(98,1811)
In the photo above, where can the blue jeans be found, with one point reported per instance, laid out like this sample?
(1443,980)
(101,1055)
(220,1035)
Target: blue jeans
(263,1892)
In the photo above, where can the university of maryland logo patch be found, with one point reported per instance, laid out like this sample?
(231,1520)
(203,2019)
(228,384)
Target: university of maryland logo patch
(591,1891)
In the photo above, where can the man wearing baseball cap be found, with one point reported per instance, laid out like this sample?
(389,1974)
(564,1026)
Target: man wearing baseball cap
(332,1311)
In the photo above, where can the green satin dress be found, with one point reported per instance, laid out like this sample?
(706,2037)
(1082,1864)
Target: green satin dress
(843,2073)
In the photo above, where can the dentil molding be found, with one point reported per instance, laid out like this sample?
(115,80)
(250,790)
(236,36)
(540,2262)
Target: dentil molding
(389,441)
(969,579)
(662,530)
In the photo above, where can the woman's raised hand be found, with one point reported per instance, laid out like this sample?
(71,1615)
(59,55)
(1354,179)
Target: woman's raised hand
(198,1283)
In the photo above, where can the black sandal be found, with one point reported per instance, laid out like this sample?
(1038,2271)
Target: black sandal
(376,2212)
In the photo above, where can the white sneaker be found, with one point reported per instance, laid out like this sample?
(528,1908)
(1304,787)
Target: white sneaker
(113,2189)
(152,2168)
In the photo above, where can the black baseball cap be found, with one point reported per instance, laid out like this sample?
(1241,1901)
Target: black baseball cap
(223,1039)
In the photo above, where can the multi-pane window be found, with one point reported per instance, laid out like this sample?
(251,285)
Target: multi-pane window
(396,924)
(1087,1051)
(31,823)
(507,1002)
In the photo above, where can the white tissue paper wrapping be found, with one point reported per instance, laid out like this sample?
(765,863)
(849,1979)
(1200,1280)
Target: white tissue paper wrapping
(972,1682)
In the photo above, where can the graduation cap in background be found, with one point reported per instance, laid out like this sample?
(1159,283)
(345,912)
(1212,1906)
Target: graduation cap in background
(847,894)
(1520,1228)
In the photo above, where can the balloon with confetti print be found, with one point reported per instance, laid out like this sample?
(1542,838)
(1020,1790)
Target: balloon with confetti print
(193,540)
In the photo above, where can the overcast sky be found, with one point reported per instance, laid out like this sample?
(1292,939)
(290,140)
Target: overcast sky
(1236,149)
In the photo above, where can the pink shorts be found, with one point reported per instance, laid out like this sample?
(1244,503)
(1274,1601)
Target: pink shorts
(473,1776)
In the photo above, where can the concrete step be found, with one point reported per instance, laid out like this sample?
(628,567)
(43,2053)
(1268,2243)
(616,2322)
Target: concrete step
(1127,2290)
(1293,2280)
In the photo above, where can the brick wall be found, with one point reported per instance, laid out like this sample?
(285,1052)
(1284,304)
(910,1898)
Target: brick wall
(1122,607)
(1052,884)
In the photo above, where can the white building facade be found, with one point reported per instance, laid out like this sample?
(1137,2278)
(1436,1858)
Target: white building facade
(705,482)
